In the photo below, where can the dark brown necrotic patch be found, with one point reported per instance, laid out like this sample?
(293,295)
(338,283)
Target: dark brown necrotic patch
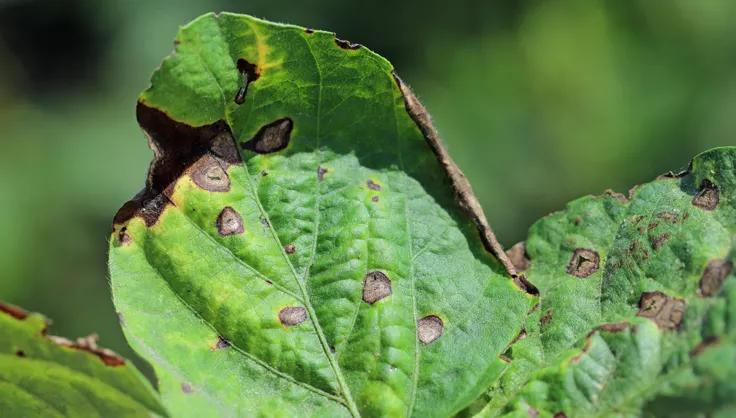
(708,196)
(229,222)
(290,249)
(176,146)
(376,286)
(248,74)
(271,138)
(373,185)
(346,44)
(429,329)
(221,343)
(714,275)
(583,263)
(665,311)
(123,236)
(321,171)
(251,70)
(669,217)
(208,174)
(292,315)
(375,199)
(545,318)
(524,284)
(659,240)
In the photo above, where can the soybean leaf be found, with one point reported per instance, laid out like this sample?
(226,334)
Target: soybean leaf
(44,375)
(637,302)
(304,245)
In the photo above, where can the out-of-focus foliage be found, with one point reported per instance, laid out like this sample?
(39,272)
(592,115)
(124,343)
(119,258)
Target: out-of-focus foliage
(575,95)
(48,376)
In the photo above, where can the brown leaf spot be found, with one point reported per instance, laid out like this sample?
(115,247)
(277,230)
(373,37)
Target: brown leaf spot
(714,275)
(658,241)
(704,345)
(375,199)
(229,222)
(545,318)
(560,415)
(583,263)
(321,171)
(290,249)
(123,236)
(186,388)
(20,353)
(708,196)
(221,343)
(346,44)
(14,311)
(665,311)
(271,138)
(376,286)
(208,174)
(265,223)
(429,329)
(668,216)
(373,185)
(292,315)
(517,255)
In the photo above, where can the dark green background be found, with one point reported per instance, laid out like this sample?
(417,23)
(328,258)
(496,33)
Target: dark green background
(539,102)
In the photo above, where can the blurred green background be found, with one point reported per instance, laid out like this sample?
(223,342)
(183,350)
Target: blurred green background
(539,102)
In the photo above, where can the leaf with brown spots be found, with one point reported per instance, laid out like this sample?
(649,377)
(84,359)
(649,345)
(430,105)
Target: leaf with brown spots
(301,208)
(43,374)
(635,286)
(305,245)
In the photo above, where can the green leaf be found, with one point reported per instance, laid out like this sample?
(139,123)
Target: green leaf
(304,245)
(637,302)
(43,375)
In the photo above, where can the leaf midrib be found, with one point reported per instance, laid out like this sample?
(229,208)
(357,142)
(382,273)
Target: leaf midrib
(340,379)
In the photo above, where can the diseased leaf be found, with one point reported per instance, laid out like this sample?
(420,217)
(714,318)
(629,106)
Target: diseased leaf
(43,375)
(637,303)
(304,245)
